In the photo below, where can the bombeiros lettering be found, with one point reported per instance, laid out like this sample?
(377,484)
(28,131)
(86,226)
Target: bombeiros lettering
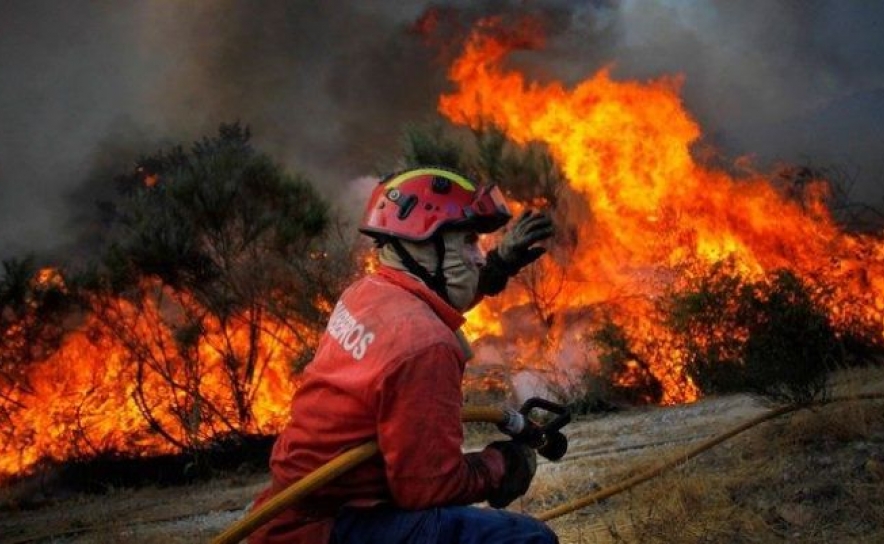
(352,335)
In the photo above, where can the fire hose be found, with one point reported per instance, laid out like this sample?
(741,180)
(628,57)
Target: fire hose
(546,439)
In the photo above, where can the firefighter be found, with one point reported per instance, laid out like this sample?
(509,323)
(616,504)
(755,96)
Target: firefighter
(389,368)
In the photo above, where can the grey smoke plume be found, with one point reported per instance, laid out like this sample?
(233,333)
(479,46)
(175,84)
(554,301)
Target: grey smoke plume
(328,86)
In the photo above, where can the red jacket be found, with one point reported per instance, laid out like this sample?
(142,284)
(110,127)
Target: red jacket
(388,368)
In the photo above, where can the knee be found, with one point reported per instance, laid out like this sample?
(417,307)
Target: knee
(544,535)
(534,531)
(471,525)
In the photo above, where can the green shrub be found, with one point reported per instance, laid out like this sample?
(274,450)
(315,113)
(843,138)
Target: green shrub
(769,336)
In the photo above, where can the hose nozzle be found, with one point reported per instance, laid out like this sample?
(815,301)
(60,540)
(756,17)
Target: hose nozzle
(546,439)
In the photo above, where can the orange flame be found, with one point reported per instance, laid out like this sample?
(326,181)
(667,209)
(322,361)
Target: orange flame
(99,391)
(652,216)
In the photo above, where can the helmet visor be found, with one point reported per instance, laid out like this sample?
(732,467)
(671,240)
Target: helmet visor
(488,210)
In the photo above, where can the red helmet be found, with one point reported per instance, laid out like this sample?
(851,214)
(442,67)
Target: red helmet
(415,204)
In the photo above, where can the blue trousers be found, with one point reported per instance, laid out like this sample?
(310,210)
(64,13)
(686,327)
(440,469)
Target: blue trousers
(445,525)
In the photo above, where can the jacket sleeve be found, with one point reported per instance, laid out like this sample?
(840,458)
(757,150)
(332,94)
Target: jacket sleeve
(420,435)
(494,276)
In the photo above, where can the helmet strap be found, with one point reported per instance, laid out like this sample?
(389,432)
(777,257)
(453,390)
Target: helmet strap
(435,281)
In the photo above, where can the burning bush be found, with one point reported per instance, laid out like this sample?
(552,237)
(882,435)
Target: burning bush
(241,281)
(769,336)
(215,286)
(33,307)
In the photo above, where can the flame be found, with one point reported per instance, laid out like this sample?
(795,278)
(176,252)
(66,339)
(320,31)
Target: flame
(50,278)
(652,216)
(105,391)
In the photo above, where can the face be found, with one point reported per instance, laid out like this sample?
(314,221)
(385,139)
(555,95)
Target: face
(472,254)
(463,261)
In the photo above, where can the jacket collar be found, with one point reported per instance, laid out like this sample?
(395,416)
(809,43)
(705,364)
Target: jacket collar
(451,317)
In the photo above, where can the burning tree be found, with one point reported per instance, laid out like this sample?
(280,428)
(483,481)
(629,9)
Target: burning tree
(33,305)
(218,254)
(213,289)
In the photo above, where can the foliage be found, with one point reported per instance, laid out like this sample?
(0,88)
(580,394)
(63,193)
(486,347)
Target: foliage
(431,145)
(526,173)
(33,307)
(767,336)
(222,248)
(202,220)
(627,373)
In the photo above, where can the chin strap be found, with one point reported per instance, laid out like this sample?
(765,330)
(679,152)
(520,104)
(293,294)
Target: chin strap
(435,281)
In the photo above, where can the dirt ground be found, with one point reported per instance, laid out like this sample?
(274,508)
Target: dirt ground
(602,450)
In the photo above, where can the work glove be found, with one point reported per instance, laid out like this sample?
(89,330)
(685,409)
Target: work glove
(520,464)
(515,252)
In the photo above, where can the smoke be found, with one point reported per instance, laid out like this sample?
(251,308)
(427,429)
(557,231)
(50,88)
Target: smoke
(790,81)
(327,87)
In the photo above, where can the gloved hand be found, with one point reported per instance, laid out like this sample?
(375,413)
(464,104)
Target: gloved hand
(516,251)
(520,462)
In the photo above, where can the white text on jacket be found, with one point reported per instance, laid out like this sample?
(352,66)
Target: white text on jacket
(351,334)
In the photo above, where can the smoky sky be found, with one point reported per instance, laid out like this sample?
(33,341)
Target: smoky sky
(327,87)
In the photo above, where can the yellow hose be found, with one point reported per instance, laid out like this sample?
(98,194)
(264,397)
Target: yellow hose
(583,502)
(619,487)
(325,474)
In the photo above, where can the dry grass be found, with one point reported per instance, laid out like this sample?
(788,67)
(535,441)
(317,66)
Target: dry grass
(812,476)
(126,515)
